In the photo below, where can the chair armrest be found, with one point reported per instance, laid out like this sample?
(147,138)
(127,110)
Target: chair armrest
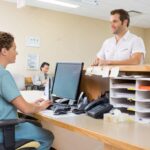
(11,122)
(8,129)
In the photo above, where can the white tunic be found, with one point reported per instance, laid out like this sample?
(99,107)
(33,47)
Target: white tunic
(126,46)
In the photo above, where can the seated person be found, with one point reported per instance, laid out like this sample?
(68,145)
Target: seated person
(41,79)
(11,99)
(124,48)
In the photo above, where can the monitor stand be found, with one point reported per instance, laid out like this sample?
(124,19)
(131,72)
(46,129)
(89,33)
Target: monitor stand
(72,102)
(62,100)
(69,102)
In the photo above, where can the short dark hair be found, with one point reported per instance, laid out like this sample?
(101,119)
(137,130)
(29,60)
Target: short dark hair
(43,64)
(6,40)
(124,15)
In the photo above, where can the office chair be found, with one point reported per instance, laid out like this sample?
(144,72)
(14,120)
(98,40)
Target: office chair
(8,130)
(29,84)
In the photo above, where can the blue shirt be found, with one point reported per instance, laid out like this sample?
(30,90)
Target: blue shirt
(8,92)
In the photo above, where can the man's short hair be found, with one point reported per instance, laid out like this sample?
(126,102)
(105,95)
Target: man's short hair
(6,40)
(43,64)
(124,15)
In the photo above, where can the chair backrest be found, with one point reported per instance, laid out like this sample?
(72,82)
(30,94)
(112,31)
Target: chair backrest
(28,80)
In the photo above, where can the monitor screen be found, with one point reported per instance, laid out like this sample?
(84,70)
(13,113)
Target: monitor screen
(66,80)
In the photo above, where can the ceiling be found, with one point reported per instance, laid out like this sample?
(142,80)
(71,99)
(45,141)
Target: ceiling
(102,9)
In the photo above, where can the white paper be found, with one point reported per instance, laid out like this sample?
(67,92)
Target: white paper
(97,71)
(114,72)
(105,72)
(89,71)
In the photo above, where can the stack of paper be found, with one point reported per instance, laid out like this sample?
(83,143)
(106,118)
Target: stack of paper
(104,71)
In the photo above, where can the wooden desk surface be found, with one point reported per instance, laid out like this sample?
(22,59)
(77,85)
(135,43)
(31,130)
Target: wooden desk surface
(132,68)
(125,136)
(135,68)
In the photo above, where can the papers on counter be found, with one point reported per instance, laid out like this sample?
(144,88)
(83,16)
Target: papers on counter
(103,71)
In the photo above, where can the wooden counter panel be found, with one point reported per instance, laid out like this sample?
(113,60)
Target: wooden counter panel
(111,143)
(94,86)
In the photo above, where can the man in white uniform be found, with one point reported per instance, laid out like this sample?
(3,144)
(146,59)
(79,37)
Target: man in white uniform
(41,79)
(124,48)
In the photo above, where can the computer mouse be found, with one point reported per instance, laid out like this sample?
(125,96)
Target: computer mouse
(60,112)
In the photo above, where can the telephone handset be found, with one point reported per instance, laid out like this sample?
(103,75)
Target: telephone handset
(81,104)
(81,96)
(82,101)
(93,104)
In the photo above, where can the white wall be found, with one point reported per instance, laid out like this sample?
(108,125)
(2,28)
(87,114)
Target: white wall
(64,37)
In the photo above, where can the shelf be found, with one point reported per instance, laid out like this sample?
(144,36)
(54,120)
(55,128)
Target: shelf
(143,110)
(143,79)
(142,117)
(143,100)
(142,90)
(123,95)
(142,95)
(143,120)
(124,78)
(123,86)
(126,95)
(143,105)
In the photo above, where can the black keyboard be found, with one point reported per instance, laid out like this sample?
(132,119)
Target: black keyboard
(59,106)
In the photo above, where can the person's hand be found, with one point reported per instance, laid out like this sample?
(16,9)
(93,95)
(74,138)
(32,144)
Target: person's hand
(44,104)
(103,62)
(95,62)
(38,101)
(44,82)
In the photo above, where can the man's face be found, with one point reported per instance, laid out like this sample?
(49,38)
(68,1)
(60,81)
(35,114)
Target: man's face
(45,69)
(11,53)
(116,24)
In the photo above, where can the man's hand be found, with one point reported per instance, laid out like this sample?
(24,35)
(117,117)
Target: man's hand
(103,62)
(100,61)
(96,62)
(135,59)
(44,82)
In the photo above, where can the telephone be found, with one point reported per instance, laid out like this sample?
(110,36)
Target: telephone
(81,104)
(98,107)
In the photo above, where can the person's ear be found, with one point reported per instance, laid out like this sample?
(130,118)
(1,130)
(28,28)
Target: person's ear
(125,22)
(4,51)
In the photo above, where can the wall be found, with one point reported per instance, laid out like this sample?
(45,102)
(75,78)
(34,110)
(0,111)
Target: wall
(147,45)
(64,37)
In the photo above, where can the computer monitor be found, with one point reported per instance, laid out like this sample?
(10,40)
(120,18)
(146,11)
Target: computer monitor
(66,80)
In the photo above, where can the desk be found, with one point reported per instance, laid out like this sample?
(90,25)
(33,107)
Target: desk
(126,136)
(123,136)
(94,86)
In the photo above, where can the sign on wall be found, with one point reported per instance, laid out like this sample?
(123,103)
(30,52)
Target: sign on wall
(33,61)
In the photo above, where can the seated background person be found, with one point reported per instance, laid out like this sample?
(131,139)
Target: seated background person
(11,99)
(124,48)
(41,79)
